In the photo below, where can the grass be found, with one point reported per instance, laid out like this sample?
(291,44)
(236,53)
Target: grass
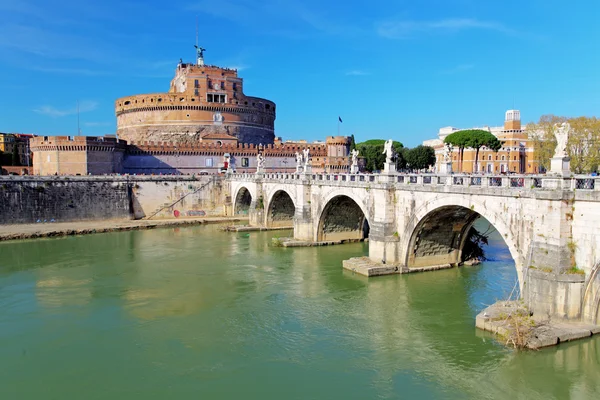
(575,270)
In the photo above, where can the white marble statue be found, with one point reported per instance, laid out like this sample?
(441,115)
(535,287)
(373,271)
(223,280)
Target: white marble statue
(298,160)
(354,154)
(447,153)
(260,163)
(562,137)
(306,153)
(388,150)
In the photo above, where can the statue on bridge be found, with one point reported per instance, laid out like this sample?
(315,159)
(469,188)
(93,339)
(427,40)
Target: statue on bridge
(448,153)
(306,156)
(388,150)
(298,162)
(354,166)
(354,153)
(561,163)
(260,163)
(562,137)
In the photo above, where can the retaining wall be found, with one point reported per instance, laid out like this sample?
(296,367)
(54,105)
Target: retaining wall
(25,199)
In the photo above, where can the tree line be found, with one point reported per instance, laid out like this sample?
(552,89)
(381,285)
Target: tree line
(583,145)
(417,158)
(472,139)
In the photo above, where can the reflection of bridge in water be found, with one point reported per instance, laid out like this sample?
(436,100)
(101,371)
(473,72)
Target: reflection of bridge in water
(549,223)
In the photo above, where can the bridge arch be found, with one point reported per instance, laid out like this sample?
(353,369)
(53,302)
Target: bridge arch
(437,231)
(280,209)
(343,217)
(242,200)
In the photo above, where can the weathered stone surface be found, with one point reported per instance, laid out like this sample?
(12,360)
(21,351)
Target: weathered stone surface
(76,198)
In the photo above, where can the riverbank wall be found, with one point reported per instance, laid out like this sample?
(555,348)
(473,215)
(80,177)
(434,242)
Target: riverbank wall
(31,199)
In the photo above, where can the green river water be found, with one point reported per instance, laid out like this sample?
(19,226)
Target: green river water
(195,313)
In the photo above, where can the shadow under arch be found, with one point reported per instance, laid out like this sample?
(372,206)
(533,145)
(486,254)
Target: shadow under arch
(437,235)
(342,219)
(281,210)
(243,200)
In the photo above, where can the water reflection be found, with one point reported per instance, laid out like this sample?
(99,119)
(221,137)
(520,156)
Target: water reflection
(168,312)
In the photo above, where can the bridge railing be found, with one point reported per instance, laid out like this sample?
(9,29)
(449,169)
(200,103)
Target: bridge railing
(534,182)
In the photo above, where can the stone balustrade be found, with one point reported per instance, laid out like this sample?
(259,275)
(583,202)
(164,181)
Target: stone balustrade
(534,182)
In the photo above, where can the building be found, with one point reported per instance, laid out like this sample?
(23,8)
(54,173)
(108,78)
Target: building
(517,154)
(21,140)
(203,100)
(77,155)
(82,155)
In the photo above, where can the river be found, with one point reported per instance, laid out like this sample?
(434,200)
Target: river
(196,313)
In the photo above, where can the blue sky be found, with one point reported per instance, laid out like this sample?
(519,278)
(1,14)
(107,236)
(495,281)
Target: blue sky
(391,69)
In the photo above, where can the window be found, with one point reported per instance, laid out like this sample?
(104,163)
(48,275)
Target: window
(208,162)
(234,85)
(502,158)
(245,162)
(196,92)
(490,159)
(196,84)
(515,158)
(216,98)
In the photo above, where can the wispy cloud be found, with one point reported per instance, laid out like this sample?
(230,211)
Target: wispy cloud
(357,72)
(401,29)
(51,111)
(290,18)
(70,71)
(96,124)
(457,69)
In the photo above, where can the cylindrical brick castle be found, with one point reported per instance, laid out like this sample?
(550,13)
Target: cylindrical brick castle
(202,100)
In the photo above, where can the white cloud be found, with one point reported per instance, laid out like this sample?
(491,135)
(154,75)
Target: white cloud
(405,28)
(357,72)
(51,111)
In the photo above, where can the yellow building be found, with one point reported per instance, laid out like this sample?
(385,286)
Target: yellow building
(9,140)
(517,154)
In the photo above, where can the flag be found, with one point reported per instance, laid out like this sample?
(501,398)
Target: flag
(340,119)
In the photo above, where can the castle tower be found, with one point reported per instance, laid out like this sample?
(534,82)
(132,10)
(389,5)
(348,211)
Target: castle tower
(512,120)
(202,101)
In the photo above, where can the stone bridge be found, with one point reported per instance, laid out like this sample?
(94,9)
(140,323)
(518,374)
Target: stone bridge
(551,225)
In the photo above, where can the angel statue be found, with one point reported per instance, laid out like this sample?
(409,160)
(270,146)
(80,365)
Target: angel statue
(306,153)
(447,153)
(260,162)
(388,150)
(354,154)
(562,137)
(298,159)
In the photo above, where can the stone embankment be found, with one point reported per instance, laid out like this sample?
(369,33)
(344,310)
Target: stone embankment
(34,231)
(40,199)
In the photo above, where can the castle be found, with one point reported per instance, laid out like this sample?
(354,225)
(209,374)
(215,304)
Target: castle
(203,125)
(203,102)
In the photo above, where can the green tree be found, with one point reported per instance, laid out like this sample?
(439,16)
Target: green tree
(460,140)
(477,138)
(352,143)
(420,157)
(372,151)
